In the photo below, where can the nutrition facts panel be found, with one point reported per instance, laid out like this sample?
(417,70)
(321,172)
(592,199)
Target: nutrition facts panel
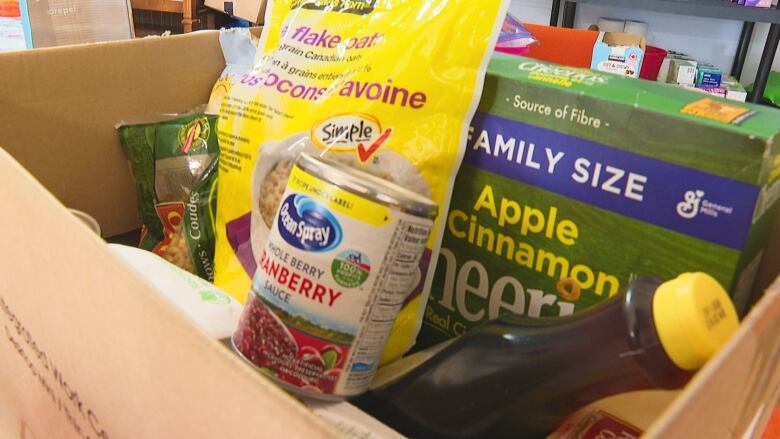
(395,280)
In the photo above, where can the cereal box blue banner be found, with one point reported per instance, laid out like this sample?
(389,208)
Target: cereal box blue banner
(682,199)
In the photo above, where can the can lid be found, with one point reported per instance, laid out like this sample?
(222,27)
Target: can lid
(694,317)
(368,185)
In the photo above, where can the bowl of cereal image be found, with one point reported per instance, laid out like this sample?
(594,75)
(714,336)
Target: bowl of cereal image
(274,164)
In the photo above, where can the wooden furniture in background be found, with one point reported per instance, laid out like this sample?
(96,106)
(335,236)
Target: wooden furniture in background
(188,9)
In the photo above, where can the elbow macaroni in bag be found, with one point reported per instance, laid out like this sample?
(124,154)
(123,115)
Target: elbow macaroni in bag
(388,86)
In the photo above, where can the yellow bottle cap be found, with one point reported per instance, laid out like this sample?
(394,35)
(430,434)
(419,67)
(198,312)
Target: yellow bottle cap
(694,317)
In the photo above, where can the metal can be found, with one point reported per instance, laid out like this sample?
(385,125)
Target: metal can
(341,257)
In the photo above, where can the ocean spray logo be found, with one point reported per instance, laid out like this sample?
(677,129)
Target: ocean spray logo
(694,204)
(306,225)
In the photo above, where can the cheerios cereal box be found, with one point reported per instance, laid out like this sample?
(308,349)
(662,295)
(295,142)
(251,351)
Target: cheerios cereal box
(574,182)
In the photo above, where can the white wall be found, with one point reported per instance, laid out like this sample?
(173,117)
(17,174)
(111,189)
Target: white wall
(709,40)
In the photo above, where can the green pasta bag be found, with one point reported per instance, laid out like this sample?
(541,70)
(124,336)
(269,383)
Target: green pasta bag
(174,165)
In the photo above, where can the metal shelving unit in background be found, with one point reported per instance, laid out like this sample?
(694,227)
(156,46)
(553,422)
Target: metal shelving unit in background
(703,8)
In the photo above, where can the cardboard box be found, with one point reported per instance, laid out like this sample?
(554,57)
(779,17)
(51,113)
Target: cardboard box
(49,23)
(250,10)
(87,347)
(666,65)
(11,28)
(707,76)
(682,72)
(618,52)
(734,90)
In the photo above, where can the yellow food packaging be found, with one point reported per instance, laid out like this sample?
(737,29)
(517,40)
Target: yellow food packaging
(387,86)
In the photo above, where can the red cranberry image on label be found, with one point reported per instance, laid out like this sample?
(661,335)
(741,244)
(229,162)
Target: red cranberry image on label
(310,355)
(329,380)
(262,338)
(310,365)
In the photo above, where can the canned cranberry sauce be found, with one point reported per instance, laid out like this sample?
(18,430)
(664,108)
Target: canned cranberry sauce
(341,257)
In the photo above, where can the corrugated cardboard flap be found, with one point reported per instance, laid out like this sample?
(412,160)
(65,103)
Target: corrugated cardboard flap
(59,108)
(88,349)
(733,395)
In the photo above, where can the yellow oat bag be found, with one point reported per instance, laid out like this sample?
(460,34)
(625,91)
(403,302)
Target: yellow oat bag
(388,86)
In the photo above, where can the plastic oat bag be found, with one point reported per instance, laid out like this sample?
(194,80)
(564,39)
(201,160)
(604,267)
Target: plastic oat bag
(385,86)
(174,165)
(515,39)
(239,47)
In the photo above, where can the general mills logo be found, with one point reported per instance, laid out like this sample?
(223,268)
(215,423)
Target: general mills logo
(307,225)
(689,207)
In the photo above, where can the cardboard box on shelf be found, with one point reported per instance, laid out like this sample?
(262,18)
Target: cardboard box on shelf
(682,72)
(251,10)
(11,27)
(89,349)
(618,52)
(32,24)
(708,76)
(663,72)
(734,90)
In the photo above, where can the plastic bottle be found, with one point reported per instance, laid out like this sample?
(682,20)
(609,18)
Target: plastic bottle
(520,377)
